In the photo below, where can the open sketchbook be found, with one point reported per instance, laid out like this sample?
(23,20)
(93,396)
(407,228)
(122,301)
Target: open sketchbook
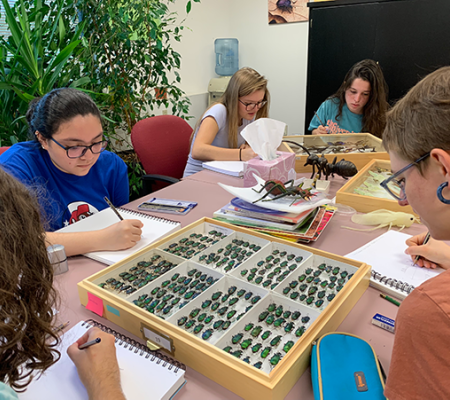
(393,271)
(233,168)
(143,375)
(154,229)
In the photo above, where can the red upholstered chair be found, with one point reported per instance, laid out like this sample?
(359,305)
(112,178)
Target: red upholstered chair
(3,149)
(162,146)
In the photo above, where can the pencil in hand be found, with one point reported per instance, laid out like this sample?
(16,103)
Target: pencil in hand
(111,205)
(425,241)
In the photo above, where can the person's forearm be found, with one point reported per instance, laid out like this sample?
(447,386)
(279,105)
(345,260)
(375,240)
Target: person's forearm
(108,392)
(76,243)
(207,152)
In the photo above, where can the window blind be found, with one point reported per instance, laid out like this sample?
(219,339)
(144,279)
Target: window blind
(4,31)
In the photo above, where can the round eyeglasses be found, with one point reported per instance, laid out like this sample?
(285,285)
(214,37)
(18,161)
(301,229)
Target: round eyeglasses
(396,187)
(80,151)
(251,106)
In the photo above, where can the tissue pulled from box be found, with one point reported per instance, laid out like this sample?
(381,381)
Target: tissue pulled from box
(264,136)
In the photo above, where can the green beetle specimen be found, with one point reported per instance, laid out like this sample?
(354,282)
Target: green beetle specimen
(202,317)
(218,324)
(256,347)
(279,322)
(255,299)
(227,349)
(258,365)
(318,303)
(335,270)
(331,296)
(256,331)
(198,328)
(305,319)
(263,316)
(194,312)
(231,314)
(289,326)
(294,295)
(248,295)
(270,319)
(301,278)
(312,290)
(246,343)
(300,331)
(226,325)
(265,352)
(241,292)
(189,324)
(215,306)
(237,338)
(288,345)
(266,335)
(295,315)
(275,340)
(222,311)
(275,359)
(287,314)
(279,311)
(248,327)
(286,290)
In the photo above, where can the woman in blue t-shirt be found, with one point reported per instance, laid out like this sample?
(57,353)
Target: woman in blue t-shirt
(216,136)
(359,105)
(68,164)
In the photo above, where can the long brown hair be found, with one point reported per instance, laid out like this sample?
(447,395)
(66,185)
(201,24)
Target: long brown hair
(26,291)
(244,82)
(374,113)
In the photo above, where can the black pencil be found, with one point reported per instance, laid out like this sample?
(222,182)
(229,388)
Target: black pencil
(425,241)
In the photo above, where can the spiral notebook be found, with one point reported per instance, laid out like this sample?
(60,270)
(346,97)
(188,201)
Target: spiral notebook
(393,271)
(142,373)
(154,229)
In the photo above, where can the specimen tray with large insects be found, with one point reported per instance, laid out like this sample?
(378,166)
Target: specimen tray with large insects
(135,275)
(317,282)
(231,252)
(272,265)
(212,314)
(268,332)
(171,292)
(196,240)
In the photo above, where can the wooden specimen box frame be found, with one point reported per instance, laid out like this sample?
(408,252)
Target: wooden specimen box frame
(360,159)
(211,361)
(365,204)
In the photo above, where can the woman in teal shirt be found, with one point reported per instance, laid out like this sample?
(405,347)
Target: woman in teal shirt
(359,105)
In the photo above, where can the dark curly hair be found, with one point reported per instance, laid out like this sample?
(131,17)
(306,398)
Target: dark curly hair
(26,288)
(374,113)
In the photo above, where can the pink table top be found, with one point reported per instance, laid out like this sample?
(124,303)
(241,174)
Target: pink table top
(202,187)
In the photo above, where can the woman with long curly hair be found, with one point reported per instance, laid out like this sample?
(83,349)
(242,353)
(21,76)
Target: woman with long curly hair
(359,105)
(216,136)
(28,342)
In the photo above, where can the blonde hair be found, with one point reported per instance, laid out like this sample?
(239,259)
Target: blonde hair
(420,121)
(244,82)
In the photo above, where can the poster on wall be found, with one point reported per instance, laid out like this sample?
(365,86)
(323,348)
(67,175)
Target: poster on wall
(284,11)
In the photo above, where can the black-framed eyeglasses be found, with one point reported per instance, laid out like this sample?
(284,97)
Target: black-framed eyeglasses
(80,151)
(251,106)
(396,187)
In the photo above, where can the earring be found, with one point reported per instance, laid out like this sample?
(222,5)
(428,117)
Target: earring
(440,195)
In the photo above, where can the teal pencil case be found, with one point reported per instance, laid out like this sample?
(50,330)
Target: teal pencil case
(344,366)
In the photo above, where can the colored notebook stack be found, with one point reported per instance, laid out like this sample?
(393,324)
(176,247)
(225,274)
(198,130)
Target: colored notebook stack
(304,227)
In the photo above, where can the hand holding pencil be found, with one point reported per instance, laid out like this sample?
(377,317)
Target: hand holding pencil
(322,129)
(432,253)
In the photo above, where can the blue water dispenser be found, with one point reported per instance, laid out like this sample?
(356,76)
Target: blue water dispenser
(227,56)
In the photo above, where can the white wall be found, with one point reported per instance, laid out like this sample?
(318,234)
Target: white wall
(277,51)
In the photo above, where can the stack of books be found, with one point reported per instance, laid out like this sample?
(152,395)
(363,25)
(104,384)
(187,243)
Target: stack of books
(304,227)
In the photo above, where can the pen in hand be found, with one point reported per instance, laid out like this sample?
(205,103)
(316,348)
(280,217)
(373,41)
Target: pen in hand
(320,121)
(425,241)
(88,344)
(111,205)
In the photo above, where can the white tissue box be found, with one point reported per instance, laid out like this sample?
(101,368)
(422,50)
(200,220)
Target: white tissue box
(275,169)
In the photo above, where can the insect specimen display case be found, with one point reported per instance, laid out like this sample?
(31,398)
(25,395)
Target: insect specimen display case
(359,148)
(237,307)
(364,193)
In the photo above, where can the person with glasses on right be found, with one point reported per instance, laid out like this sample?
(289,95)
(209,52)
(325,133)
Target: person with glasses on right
(417,138)
(216,137)
(68,166)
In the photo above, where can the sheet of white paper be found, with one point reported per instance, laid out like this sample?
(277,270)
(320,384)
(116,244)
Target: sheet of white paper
(264,136)
(138,375)
(283,204)
(233,168)
(386,255)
